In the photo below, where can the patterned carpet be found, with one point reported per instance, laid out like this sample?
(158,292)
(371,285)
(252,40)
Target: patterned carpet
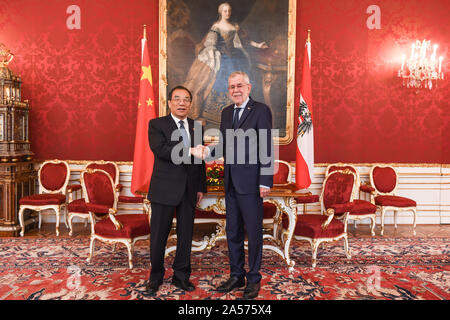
(380,268)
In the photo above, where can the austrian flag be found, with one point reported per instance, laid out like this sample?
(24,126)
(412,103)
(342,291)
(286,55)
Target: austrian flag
(304,158)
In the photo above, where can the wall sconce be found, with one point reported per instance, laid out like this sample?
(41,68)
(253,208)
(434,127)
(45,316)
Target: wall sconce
(419,70)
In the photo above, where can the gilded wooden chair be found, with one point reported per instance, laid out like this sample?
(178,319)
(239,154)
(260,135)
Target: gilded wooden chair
(77,207)
(106,225)
(362,209)
(336,204)
(53,179)
(384,180)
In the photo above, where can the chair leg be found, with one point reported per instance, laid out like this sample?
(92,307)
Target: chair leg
(414,222)
(70,225)
(395,219)
(372,229)
(382,220)
(346,248)
(314,247)
(130,253)
(91,250)
(65,216)
(40,219)
(21,221)
(57,221)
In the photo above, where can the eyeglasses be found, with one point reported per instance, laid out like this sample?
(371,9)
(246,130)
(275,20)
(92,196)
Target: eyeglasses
(238,86)
(179,100)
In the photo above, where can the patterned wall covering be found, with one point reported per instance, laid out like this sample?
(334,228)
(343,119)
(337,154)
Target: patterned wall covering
(83,84)
(362,113)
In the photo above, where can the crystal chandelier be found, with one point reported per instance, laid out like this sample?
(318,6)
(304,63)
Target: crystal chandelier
(419,70)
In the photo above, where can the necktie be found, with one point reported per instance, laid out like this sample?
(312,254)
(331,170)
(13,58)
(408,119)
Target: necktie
(236,117)
(183,132)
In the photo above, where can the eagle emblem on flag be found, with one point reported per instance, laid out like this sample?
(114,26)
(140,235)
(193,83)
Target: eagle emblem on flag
(304,119)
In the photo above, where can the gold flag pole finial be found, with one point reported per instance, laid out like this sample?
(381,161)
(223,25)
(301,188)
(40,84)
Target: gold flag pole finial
(145,31)
(309,36)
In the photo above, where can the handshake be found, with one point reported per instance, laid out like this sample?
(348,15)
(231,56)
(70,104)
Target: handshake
(200,151)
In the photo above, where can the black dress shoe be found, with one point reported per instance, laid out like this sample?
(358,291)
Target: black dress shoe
(251,291)
(232,283)
(185,284)
(153,287)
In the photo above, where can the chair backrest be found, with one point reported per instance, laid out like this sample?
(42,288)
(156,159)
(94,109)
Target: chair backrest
(110,167)
(283,173)
(99,188)
(384,179)
(343,166)
(54,176)
(338,188)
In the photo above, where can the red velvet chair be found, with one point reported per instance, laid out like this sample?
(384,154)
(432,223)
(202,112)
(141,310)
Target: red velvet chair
(77,207)
(385,180)
(281,181)
(362,209)
(336,203)
(106,225)
(53,178)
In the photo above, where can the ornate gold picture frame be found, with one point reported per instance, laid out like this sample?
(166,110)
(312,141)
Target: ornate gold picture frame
(202,41)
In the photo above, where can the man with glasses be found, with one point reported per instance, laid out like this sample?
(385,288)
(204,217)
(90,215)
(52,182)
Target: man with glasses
(176,186)
(246,142)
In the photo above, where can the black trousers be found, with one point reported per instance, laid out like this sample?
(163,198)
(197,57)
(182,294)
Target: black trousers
(244,215)
(160,225)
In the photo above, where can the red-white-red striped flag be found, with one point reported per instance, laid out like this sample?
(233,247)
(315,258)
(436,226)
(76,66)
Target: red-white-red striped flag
(143,156)
(304,159)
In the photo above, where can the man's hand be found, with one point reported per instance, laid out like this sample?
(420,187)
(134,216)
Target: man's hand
(199,197)
(199,152)
(263,192)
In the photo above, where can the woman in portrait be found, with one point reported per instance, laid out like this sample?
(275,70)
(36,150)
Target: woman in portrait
(220,53)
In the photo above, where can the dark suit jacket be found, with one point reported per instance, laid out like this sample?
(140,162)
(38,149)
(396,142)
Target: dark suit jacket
(171,180)
(255,167)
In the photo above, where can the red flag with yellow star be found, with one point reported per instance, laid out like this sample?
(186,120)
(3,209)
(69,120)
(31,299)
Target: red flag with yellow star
(143,155)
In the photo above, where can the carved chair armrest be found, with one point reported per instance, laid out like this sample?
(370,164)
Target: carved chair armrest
(99,208)
(330,213)
(341,208)
(112,216)
(119,187)
(367,188)
(147,207)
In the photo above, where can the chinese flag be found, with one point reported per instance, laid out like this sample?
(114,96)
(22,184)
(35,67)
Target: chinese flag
(143,156)
(304,159)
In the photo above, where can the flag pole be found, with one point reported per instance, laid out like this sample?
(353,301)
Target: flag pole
(308,40)
(145,31)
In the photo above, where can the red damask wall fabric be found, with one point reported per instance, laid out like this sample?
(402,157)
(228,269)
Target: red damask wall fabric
(83,84)
(361,111)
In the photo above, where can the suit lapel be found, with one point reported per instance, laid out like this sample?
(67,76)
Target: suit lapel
(228,116)
(171,126)
(191,130)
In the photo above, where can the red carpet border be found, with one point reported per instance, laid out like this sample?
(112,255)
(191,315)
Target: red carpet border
(380,268)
